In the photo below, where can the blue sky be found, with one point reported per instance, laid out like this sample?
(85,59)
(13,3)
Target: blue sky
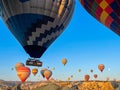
(85,43)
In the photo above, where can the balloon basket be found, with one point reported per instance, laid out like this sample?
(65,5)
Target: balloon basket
(33,62)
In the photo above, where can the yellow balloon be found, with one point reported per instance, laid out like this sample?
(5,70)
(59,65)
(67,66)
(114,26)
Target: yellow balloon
(64,61)
(68,78)
(34,71)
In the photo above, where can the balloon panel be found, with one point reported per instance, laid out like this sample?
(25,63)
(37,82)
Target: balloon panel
(37,23)
(105,11)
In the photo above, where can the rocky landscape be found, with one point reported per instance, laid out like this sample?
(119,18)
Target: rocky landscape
(60,85)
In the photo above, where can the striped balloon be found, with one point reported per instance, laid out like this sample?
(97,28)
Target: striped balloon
(105,11)
(23,73)
(36,23)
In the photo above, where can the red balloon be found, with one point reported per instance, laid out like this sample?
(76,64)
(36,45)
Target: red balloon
(23,73)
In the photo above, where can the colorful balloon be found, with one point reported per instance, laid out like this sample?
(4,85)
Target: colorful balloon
(18,65)
(101,67)
(64,61)
(34,71)
(36,23)
(23,73)
(42,72)
(105,11)
(47,74)
(86,77)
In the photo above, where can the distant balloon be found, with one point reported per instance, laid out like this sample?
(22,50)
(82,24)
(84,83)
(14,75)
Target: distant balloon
(42,72)
(47,74)
(36,23)
(34,71)
(86,77)
(91,70)
(64,61)
(12,69)
(18,65)
(95,75)
(105,11)
(101,67)
(69,78)
(79,70)
(53,68)
(23,73)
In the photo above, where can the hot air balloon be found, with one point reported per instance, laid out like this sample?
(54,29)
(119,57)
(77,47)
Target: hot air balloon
(47,74)
(69,78)
(79,70)
(18,65)
(105,11)
(86,77)
(23,73)
(91,70)
(64,61)
(34,71)
(101,67)
(36,23)
(42,72)
(53,68)
(95,75)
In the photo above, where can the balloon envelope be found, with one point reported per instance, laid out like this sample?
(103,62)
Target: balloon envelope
(36,23)
(18,65)
(101,67)
(105,11)
(64,61)
(79,70)
(86,77)
(91,70)
(23,73)
(47,74)
(42,72)
(34,71)
(95,75)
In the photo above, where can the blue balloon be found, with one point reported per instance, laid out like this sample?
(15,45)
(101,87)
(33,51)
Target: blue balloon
(37,23)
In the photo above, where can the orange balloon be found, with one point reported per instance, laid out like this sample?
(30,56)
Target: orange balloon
(95,75)
(101,67)
(86,77)
(23,73)
(34,71)
(47,74)
(64,61)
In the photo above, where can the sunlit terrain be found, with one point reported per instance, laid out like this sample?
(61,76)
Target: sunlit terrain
(60,85)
